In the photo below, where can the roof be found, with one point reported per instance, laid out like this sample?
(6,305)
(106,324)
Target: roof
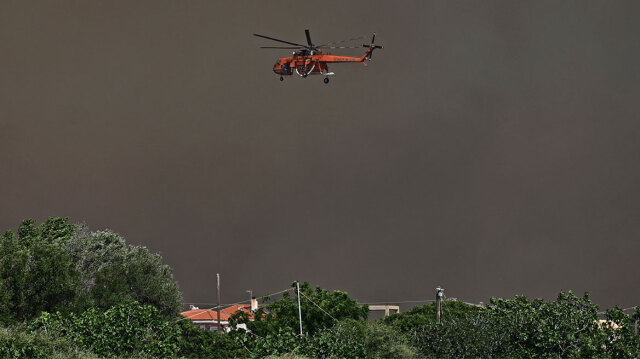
(208,314)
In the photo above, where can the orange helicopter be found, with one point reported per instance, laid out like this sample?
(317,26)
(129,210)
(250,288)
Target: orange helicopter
(309,59)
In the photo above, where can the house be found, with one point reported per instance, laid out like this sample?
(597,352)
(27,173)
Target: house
(208,319)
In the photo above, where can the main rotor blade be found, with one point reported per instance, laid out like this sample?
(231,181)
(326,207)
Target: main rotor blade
(306,32)
(337,47)
(283,47)
(342,41)
(274,39)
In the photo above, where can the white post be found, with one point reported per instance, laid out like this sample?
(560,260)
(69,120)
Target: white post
(218,293)
(439,294)
(299,308)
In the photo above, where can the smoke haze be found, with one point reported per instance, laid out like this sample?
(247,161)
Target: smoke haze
(490,148)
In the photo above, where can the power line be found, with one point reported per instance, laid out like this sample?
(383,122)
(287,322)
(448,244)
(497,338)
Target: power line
(314,303)
(400,302)
(624,310)
(222,305)
(240,302)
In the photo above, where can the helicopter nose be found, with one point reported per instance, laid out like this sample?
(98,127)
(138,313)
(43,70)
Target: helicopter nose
(279,70)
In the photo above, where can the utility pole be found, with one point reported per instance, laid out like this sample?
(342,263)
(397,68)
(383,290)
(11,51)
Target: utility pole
(299,308)
(439,294)
(218,293)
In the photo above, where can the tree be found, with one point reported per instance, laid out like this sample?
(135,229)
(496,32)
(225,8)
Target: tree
(620,337)
(123,330)
(358,339)
(276,328)
(197,343)
(17,342)
(36,271)
(57,266)
(521,328)
(320,309)
(426,314)
(114,272)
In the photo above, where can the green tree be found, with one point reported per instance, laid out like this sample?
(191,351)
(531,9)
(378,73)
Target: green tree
(426,314)
(385,341)
(346,339)
(57,266)
(620,337)
(566,327)
(278,342)
(320,309)
(114,272)
(522,328)
(123,330)
(197,343)
(16,342)
(276,328)
(357,339)
(36,271)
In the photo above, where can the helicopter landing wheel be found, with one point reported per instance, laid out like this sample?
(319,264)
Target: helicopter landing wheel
(281,78)
(326,80)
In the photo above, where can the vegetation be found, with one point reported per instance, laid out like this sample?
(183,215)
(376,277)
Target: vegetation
(66,292)
(521,328)
(118,331)
(113,272)
(426,314)
(62,267)
(16,342)
(320,309)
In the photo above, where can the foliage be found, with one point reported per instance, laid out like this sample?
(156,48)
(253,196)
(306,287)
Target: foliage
(426,314)
(197,343)
(384,341)
(114,272)
(62,267)
(357,339)
(36,271)
(346,339)
(126,329)
(320,309)
(113,299)
(620,337)
(521,328)
(16,342)
(286,356)
(279,342)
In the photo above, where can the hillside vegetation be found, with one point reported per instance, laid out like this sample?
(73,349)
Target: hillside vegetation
(67,292)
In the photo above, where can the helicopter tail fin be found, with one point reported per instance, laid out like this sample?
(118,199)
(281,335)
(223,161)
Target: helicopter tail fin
(370,47)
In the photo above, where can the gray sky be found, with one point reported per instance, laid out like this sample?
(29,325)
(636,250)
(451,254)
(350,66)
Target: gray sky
(490,147)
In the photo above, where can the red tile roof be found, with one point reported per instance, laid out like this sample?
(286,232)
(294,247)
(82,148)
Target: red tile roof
(225,313)
(200,314)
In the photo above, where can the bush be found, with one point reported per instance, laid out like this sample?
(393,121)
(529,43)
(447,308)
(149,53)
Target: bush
(195,342)
(62,267)
(123,330)
(15,342)
(522,328)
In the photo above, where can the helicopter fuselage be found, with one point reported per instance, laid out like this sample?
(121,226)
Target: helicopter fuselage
(306,63)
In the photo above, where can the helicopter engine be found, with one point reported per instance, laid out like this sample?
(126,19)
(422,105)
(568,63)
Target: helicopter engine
(305,67)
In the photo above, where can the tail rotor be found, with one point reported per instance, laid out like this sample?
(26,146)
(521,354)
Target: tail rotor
(372,47)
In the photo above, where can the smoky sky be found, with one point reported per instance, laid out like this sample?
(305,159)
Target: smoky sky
(490,148)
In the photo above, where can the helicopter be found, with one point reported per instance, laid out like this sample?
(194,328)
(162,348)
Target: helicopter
(309,60)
